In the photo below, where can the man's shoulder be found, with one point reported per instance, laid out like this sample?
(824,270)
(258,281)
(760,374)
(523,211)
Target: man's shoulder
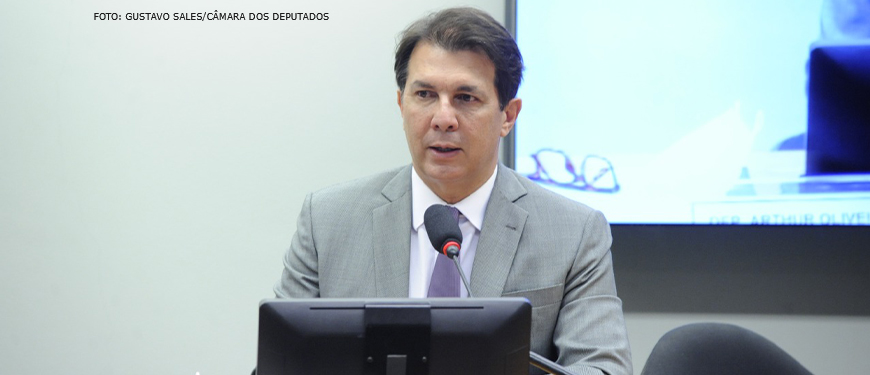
(365,190)
(542,200)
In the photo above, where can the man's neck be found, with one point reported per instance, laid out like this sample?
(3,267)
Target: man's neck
(454,191)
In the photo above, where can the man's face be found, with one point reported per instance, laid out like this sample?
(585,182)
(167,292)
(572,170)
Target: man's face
(452,119)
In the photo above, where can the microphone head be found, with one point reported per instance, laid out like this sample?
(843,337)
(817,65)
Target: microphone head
(443,230)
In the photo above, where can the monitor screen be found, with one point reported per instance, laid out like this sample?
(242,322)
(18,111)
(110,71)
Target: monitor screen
(375,336)
(687,112)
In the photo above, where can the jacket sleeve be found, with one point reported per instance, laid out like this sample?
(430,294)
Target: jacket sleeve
(590,335)
(300,278)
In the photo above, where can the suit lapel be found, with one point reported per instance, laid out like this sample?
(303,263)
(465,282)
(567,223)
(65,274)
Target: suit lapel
(391,224)
(500,236)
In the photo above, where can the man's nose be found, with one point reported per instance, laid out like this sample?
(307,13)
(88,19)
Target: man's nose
(445,116)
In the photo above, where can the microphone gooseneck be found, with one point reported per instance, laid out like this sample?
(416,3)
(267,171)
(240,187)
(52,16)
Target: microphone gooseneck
(446,238)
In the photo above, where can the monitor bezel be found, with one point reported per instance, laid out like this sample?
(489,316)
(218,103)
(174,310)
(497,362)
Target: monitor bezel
(331,336)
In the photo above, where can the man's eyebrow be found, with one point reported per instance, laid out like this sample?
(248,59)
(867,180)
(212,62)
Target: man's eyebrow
(426,85)
(467,88)
(422,84)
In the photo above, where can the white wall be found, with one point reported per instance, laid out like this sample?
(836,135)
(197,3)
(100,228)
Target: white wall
(151,173)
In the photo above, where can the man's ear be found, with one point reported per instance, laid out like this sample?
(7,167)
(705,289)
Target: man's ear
(511,111)
(399,99)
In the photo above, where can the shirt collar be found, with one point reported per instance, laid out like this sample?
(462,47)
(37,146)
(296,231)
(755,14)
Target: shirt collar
(473,207)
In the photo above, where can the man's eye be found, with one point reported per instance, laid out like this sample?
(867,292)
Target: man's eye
(424,94)
(465,98)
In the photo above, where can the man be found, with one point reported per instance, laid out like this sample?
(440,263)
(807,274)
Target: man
(458,72)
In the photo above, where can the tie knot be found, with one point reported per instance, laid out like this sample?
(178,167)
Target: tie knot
(455,212)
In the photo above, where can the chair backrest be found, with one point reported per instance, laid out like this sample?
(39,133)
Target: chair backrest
(716,348)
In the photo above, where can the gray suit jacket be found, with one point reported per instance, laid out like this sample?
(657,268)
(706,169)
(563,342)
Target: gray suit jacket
(352,240)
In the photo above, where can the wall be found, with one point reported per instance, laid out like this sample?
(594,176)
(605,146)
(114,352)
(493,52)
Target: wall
(151,173)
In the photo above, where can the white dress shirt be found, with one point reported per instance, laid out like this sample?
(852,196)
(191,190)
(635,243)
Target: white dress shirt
(423,255)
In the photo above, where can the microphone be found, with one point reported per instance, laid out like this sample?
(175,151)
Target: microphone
(445,235)
(443,230)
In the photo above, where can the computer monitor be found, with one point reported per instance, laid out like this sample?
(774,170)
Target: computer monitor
(482,336)
(657,118)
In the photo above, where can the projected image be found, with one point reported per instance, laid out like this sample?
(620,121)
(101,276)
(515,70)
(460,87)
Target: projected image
(684,112)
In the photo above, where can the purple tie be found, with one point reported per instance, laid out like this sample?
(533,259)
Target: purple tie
(445,277)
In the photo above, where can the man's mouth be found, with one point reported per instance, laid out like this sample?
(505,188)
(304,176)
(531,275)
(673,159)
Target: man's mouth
(444,149)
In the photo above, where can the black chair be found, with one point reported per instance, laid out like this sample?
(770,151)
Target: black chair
(716,348)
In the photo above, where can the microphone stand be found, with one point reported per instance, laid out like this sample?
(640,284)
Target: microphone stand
(535,359)
(464,280)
